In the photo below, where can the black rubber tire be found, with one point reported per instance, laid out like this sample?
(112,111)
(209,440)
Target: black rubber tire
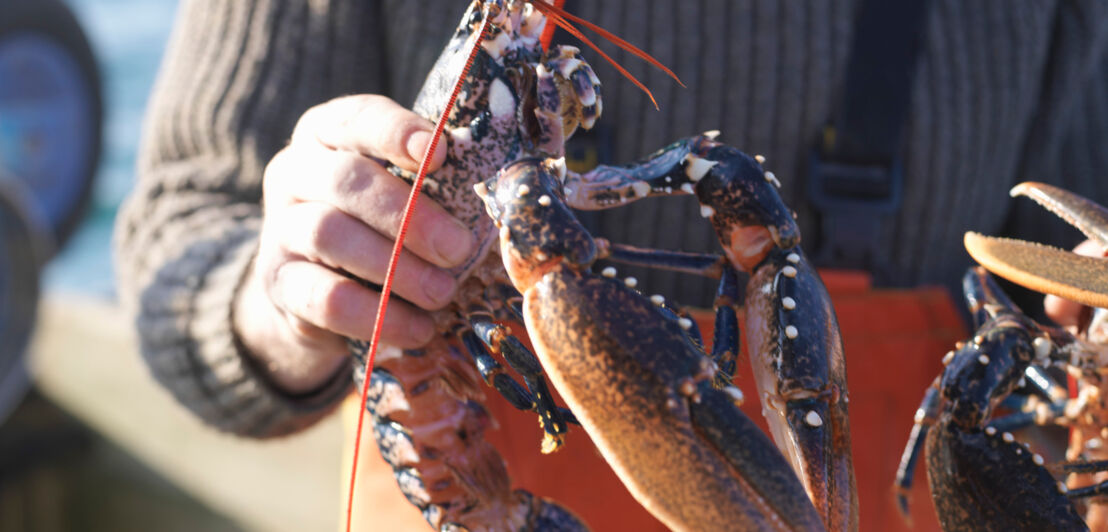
(24,244)
(53,20)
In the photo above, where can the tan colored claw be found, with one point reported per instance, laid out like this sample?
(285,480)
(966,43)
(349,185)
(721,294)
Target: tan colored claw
(1047,269)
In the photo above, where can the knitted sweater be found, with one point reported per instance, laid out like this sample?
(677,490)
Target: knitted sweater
(1004,92)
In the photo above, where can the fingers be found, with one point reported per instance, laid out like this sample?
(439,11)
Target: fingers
(363,189)
(374,126)
(1063,311)
(322,234)
(313,295)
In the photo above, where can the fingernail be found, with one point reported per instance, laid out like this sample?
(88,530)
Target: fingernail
(452,241)
(438,285)
(417,145)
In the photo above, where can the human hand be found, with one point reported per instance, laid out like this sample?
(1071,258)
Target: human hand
(331,206)
(1063,311)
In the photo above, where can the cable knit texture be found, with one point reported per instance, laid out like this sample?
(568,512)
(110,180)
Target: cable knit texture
(1005,92)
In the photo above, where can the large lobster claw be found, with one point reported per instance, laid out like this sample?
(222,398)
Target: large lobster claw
(792,333)
(630,372)
(1044,268)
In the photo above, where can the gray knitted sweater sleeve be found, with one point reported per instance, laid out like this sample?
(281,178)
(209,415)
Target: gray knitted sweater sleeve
(188,232)
(1005,91)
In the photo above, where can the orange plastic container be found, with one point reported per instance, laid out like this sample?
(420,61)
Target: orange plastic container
(894,342)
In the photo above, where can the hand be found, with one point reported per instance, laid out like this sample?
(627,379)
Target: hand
(1063,311)
(330,205)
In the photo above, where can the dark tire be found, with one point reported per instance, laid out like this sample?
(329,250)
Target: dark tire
(51,136)
(24,244)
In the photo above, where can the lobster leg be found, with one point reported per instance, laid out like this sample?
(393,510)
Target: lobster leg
(514,392)
(497,338)
(926,414)
(705,264)
(725,343)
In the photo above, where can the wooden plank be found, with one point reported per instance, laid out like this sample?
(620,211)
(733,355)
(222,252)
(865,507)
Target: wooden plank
(83,356)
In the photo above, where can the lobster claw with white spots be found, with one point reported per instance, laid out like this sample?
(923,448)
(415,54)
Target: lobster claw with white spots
(791,330)
(632,374)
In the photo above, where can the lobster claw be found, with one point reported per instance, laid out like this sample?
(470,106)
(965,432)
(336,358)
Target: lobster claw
(637,382)
(1046,269)
(791,329)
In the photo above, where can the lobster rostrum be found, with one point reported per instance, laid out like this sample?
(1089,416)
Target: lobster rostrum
(517,106)
(980,476)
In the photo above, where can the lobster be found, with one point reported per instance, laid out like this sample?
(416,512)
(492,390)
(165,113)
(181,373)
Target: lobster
(979,475)
(632,369)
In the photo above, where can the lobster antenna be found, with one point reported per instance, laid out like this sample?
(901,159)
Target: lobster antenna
(611,37)
(556,15)
(548,31)
(386,287)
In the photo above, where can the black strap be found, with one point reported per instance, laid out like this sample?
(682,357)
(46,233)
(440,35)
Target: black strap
(856,176)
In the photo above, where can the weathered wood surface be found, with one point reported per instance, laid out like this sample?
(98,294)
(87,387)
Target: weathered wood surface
(83,356)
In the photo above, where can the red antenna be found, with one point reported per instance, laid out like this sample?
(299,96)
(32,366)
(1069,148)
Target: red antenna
(555,14)
(548,31)
(386,288)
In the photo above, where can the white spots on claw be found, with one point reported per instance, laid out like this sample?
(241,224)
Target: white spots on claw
(707,211)
(559,167)
(631,282)
(1062,488)
(735,394)
(1037,459)
(772,178)
(793,258)
(684,323)
(696,168)
(544,200)
(948,357)
(789,271)
(671,403)
(788,302)
(813,419)
(641,189)
(687,188)
(669,179)
(983,359)
(568,66)
(1007,437)
(712,134)
(920,416)
(991,431)
(501,101)
(687,387)
(608,272)
(541,256)
(760,158)
(1042,347)
(791,332)
(523,190)
(657,299)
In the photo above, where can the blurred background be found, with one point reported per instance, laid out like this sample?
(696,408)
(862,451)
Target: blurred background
(87,440)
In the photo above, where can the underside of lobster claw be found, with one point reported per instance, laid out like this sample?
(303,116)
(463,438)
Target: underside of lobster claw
(747,212)
(1046,269)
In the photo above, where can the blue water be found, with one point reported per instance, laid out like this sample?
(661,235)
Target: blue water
(128,38)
